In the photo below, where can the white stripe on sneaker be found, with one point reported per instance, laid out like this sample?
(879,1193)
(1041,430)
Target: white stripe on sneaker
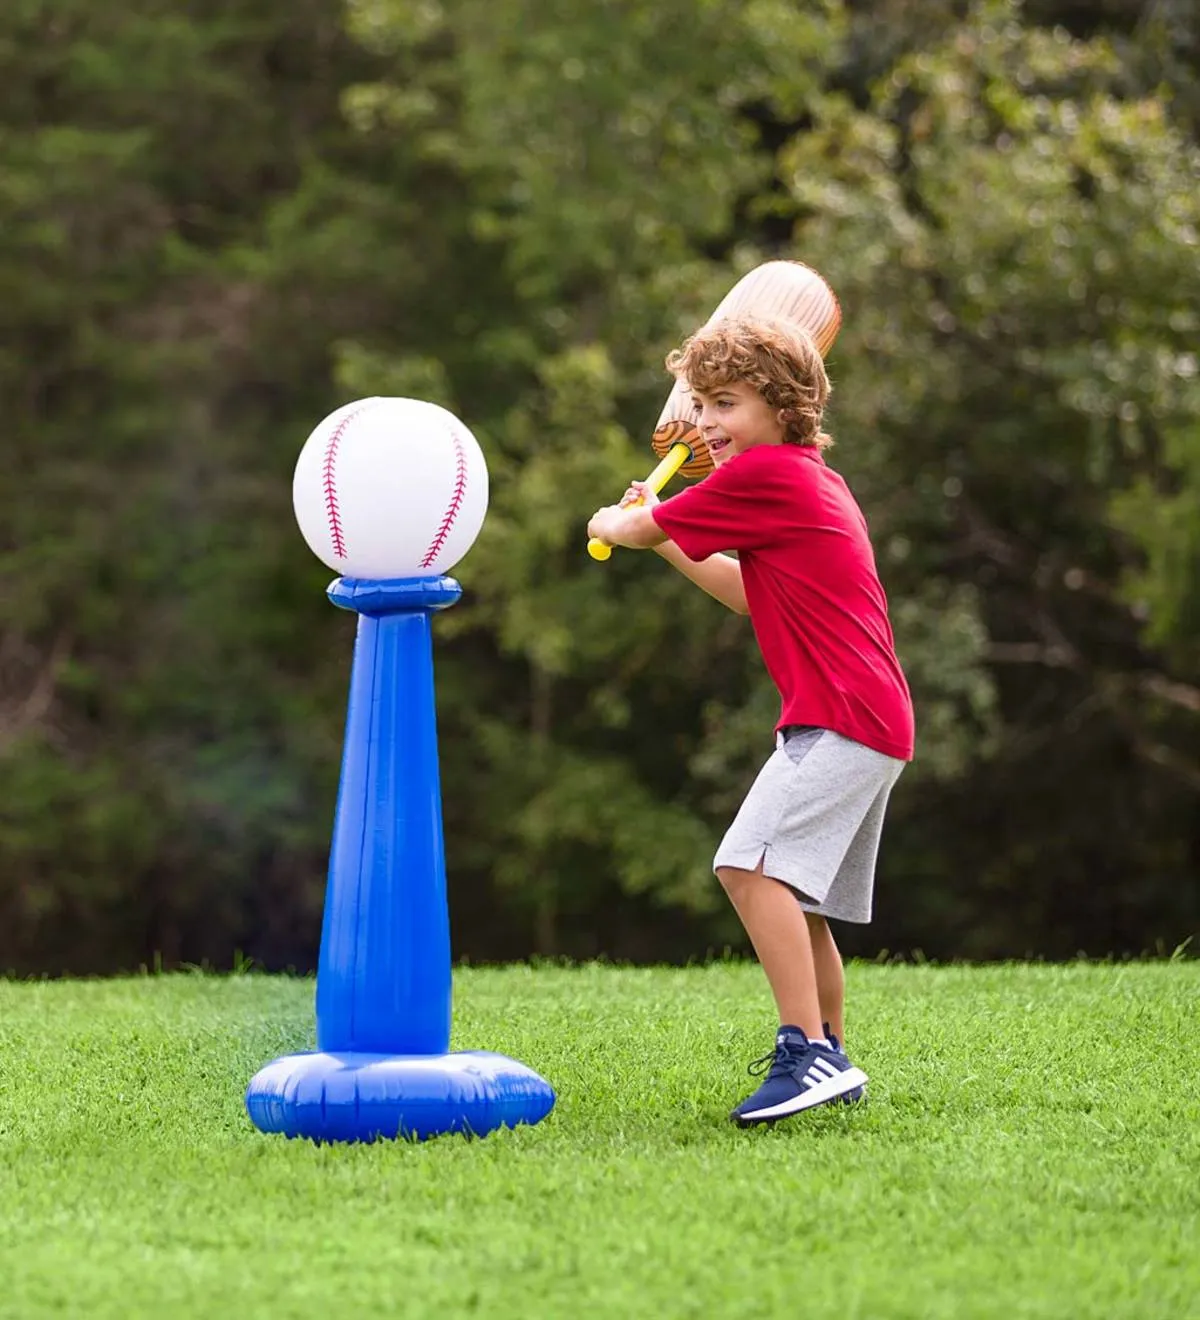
(843,1080)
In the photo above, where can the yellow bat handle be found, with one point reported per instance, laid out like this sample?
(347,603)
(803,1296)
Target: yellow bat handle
(671,462)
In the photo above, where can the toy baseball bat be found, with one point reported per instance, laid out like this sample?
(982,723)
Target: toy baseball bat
(675,457)
(779,290)
(787,290)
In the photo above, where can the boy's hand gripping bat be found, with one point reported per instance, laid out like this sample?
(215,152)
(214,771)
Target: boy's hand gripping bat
(681,446)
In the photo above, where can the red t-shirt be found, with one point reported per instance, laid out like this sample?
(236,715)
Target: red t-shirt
(817,605)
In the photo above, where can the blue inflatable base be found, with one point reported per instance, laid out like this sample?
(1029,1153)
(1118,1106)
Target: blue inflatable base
(361,1097)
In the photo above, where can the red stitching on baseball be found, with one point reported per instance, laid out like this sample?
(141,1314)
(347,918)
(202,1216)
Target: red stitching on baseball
(332,511)
(456,499)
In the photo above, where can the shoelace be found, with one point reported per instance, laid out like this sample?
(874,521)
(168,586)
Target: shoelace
(776,1064)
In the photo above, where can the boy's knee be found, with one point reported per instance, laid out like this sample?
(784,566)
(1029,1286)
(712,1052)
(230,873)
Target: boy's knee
(735,881)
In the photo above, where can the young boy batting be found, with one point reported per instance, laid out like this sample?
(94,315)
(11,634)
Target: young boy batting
(805,573)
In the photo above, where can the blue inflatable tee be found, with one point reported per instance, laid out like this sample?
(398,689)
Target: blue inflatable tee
(381,1067)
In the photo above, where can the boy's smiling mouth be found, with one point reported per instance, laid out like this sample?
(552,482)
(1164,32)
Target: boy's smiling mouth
(717,443)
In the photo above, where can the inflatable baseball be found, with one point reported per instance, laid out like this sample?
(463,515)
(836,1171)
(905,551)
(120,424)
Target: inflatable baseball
(390,488)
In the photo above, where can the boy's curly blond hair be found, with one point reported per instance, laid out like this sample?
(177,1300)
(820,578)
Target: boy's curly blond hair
(778,358)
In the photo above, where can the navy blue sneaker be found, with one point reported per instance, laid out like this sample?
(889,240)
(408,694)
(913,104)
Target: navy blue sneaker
(799,1076)
(859,1092)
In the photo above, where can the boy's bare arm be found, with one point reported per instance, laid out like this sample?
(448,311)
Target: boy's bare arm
(633,528)
(719,575)
(631,523)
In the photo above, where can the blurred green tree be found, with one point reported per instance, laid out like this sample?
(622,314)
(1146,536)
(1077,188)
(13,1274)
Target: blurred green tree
(160,727)
(216,226)
(1015,237)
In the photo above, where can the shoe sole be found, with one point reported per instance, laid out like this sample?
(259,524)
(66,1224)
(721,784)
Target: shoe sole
(833,1089)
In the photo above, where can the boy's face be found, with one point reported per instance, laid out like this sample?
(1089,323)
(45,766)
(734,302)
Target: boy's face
(733,418)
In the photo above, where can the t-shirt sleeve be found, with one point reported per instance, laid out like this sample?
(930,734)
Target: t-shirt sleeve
(733,508)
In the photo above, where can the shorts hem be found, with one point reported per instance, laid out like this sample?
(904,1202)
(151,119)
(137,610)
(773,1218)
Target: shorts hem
(807,893)
(834,913)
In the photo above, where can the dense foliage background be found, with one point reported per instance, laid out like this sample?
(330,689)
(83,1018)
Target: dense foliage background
(220,219)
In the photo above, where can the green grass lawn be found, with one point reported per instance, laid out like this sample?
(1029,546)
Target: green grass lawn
(1031,1148)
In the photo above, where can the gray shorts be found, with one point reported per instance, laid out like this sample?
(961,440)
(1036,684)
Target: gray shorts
(813,817)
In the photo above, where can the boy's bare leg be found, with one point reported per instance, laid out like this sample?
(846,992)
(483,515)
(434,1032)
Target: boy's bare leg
(779,932)
(831,980)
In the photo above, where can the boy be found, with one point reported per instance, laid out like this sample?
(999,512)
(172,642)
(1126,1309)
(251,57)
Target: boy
(805,573)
